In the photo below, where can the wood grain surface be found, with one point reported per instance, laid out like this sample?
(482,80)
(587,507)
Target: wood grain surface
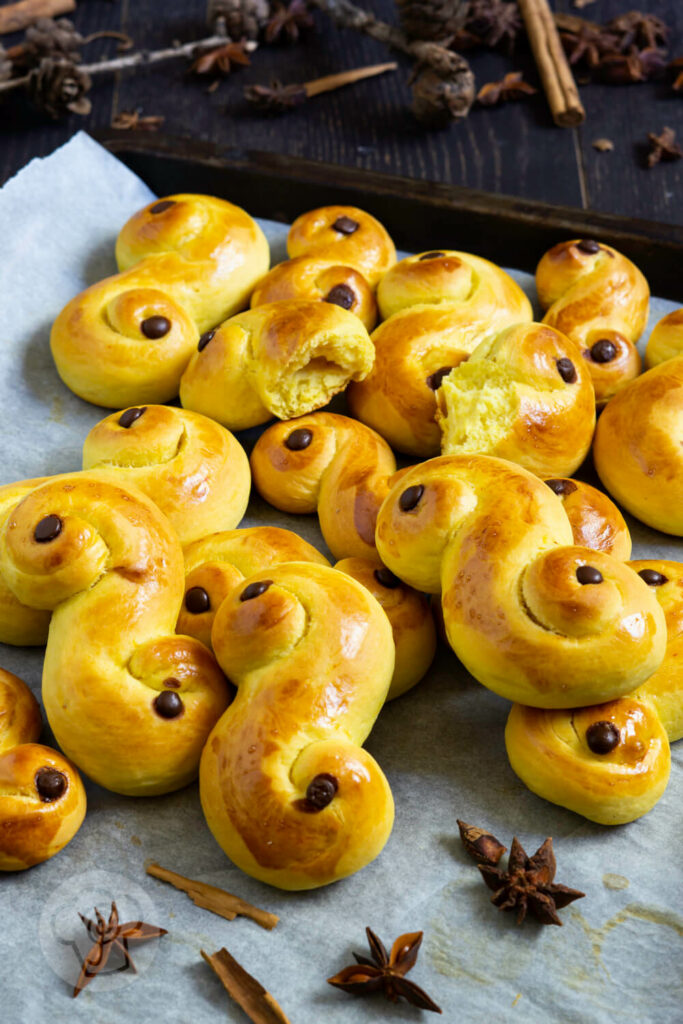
(514,150)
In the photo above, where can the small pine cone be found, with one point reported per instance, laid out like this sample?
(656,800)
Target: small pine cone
(58,86)
(50,38)
(244,19)
(432,19)
(5,65)
(438,99)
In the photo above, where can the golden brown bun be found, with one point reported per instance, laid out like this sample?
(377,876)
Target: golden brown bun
(20,625)
(215,565)
(523,395)
(637,448)
(286,787)
(531,616)
(593,293)
(664,689)
(666,340)
(190,466)
(308,277)
(414,350)
(358,240)
(596,521)
(42,800)
(129,702)
(283,359)
(184,268)
(476,286)
(410,616)
(330,464)
(609,762)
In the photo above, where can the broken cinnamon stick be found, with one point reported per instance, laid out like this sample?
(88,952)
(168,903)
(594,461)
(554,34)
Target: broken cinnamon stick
(210,897)
(16,17)
(553,66)
(247,992)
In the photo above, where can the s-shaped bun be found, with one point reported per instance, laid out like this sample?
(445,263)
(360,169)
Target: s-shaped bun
(343,235)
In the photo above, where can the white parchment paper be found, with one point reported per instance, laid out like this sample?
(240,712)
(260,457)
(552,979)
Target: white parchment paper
(618,955)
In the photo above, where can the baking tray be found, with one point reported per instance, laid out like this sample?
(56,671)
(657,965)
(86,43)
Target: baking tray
(441,747)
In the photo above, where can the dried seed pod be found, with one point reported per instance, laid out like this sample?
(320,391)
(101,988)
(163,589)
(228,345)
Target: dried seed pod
(58,86)
(432,19)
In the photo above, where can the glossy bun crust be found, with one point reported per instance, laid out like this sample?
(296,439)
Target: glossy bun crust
(129,701)
(596,521)
(533,617)
(187,262)
(343,235)
(283,359)
(42,799)
(666,340)
(20,625)
(308,277)
(637,449)
(191,467)
(330,464)
(410,615)
(215,565)
(664,689)
(599,299)
(523,395)
(468,283)
(414,350)
(286,787)
(609,762)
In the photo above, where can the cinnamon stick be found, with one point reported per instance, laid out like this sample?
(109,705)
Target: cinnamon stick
(247,992)
(210,897)
(553,66)
(18,16)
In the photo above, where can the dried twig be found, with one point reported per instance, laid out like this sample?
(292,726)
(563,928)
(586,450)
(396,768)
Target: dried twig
(210,897)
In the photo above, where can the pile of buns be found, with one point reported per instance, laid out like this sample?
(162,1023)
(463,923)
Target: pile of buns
(242,655)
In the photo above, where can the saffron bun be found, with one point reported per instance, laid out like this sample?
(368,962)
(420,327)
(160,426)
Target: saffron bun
(609,762)
(410,616)
(599,299)
(532,616)
(474,285)
(215,565)
(524,395)
(595,520)
(42,799)
(637,451)
(20,624)
(343,235)
(129,701)
(194,469)
(331,465)
(666,340)
(283,359)
(308,277)
(286,787)
(664,688)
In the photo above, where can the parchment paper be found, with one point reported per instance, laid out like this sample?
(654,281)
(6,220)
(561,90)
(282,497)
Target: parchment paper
(618,955)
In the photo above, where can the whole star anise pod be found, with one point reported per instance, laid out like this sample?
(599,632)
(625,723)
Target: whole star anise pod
(110,935)
(288,22)
(220,60)
(663,147)
(275,98)
(494,22)
(587,44)
(675,70)
(527,883)
(636,28)
(58,86)
(511,87)
(385,972)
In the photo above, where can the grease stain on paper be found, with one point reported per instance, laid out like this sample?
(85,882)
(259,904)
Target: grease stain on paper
(615,881)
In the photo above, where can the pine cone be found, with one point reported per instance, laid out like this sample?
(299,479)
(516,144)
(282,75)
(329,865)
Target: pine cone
(5,65)
(58,86)
(50,38)
(244,19)
(439,99)
(432,19)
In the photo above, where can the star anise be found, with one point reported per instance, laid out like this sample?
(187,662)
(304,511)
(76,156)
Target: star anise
(288,21)
(675,69)
(494,22)
(386,972)
(109,935)
(276,97)
(636,28)
(587,43)
(511,87)
(220,60)
(663,147)
(527,884)
(127,120)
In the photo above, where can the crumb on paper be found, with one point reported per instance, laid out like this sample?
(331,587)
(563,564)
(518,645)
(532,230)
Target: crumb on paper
(615,881)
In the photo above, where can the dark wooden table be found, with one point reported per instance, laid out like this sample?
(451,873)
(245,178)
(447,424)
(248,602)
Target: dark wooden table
(513,149)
